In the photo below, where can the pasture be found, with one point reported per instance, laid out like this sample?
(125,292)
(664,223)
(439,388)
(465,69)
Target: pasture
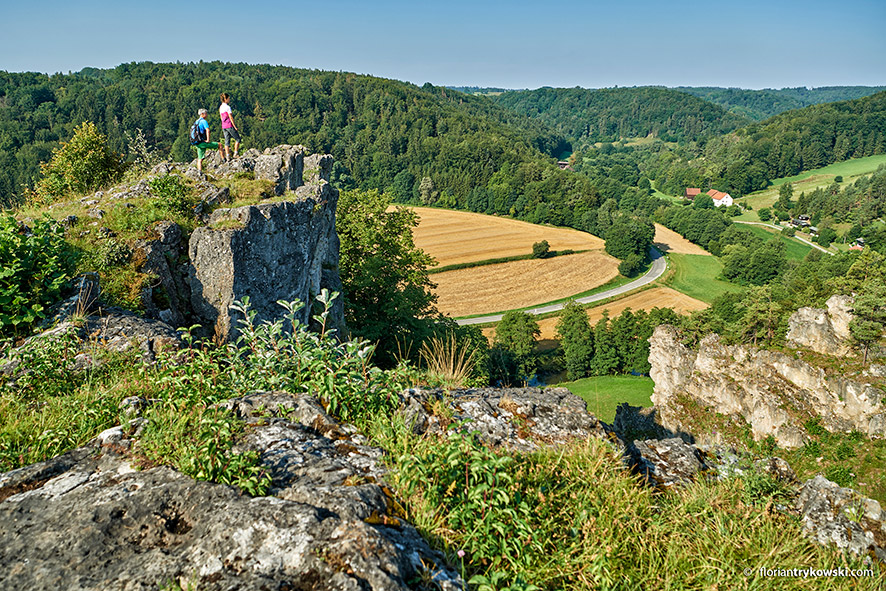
(695,276)
(794,249)
(810,180)
(603,394)
(454,237)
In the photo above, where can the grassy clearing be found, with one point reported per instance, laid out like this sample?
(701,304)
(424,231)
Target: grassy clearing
(695,275)
(794,249)
(604,393)
(810,180)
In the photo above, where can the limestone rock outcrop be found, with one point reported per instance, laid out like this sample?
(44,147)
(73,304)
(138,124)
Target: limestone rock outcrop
(283,250)
(88,520)
(520,419)
(823,330)
(771,391)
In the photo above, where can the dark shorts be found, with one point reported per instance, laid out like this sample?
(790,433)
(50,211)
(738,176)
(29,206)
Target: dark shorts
(230,132)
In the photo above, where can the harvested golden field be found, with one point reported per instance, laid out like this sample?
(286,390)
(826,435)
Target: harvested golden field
(657,297)
(667,240)
(454,237)
(519,284)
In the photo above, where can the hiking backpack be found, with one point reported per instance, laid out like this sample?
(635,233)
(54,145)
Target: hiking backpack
(197,135)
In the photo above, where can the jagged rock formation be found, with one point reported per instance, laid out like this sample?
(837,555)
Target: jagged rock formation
(772,392)
(269,252)
(517,418)
(329,524)
(823,330)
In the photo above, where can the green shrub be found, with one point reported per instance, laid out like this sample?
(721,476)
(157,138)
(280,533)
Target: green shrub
(765,214)
(172,193)
(541,250)
(82,164)
(35,266)
(631,265)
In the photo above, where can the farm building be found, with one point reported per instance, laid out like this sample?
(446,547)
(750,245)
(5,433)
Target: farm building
(720,198)
(691,193)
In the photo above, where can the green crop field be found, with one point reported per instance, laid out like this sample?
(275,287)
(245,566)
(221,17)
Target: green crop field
(695,275)
(604,393)
(794,249)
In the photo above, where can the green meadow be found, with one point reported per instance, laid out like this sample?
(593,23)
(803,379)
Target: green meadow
(794,249)
(604,393)
(695,275)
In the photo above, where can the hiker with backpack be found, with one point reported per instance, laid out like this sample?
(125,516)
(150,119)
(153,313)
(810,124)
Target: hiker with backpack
(229,130)
(200,138)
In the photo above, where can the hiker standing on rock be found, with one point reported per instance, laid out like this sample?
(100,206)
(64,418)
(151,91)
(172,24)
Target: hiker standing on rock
(229,130)
(200,138)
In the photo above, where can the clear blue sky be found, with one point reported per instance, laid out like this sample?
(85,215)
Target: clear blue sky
(518,44)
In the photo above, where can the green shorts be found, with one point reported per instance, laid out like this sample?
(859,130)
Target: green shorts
(201,148)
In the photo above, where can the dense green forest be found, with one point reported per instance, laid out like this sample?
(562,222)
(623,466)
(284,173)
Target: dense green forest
(375,128)
(763,104)
(609,114)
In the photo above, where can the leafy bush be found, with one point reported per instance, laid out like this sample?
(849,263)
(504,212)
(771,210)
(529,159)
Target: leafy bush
(541,250)
(631,265)
(172,194)
(82,164)
(765,214)
(34,267)
(474,488)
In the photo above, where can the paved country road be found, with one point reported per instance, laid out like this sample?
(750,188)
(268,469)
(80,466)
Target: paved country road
(779,228)
(659,264)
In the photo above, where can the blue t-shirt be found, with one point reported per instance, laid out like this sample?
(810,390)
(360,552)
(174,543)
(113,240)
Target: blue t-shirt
(202,124)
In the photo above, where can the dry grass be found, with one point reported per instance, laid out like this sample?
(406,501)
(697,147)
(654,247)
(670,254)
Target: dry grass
(669,241)
(453,237)
(657,297)
(519,284)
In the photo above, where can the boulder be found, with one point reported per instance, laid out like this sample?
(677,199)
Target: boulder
(665,463)
(839,516)
(88,520)
(282,165)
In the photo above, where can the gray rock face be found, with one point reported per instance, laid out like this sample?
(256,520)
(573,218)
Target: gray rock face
(517,418)
(275,251)
(825,331)
(282,165)
(168,298)
(768,390)
(840,516)
(330,523)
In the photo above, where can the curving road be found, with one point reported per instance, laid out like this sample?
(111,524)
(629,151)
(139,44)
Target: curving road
(779,228)
(659,264)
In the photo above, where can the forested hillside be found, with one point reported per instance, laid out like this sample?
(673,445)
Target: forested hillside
(606,115)
(375,128)
(784,145)
(763,104)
